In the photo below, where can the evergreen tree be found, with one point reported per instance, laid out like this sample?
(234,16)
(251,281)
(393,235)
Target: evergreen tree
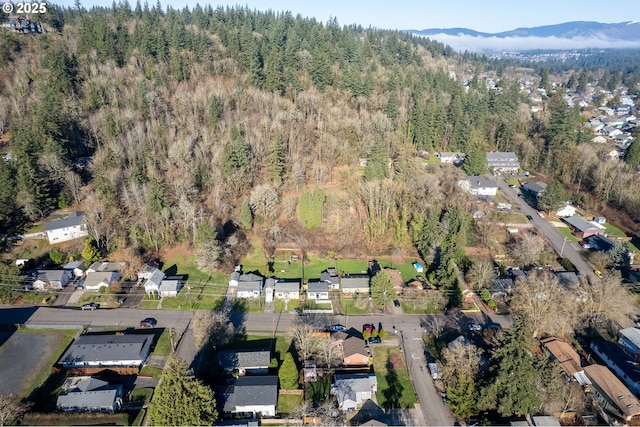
(475,163)
(376,168)
(215,111)
(391,110)
(632,155)
(461,397)
(513,373)
(553,197)
(288,373)
(276,159)
(208,249)
(246,216)
(620,255)
(180,399)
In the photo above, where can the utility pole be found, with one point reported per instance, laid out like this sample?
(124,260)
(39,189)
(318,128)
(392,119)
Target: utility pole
(563,243)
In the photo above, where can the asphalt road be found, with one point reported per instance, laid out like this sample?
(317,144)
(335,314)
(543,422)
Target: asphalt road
(562,245)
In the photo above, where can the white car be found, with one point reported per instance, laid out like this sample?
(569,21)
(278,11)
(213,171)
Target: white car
(540,215)
(474,327)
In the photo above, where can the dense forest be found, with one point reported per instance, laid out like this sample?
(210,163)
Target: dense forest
(197,119)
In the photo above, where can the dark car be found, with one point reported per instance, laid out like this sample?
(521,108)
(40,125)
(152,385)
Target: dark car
(149,322)
(396,303)
(529,217)
(90,306)
(375,340)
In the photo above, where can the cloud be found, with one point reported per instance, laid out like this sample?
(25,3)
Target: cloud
(484,44)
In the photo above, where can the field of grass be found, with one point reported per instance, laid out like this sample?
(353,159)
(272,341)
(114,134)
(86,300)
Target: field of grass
(566,231)
(410,309)
(288,403)
(613,230)
(395,389)
(152,371)
(278,305)
(349,307)
(163,346)
(62,419)
(510,217)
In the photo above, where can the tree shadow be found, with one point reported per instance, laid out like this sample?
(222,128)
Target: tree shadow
(394,389)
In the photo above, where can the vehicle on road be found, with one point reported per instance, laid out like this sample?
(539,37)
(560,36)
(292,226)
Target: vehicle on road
(474,327)
(396,303)
(598,273)
(149,322)
(338,328)
(512,185)
(90,306)
(529,217)
(541,215)
(374,340)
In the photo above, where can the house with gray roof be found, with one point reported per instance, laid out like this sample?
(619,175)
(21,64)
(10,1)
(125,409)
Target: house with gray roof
(330,275)
(249,286)
(354,389)
(568,279)
(95,280)
(107,351)
(252,397)
(630,340)
(583,228)
(77,268)
(287,289)
(73,226)
(101,266)
(480,186)
(317,290)
(152,285)
(355,284)
(52,279)
(502,161)
(84,394)
(501,288)
(247,362)
(534,188)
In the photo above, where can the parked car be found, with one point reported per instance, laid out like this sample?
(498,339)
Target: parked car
(585,245)
(541,215)
(149,322)
(529,217)
(90,306)
(396,303)
(474,327)
(368,327)
(338,328)
(374,340)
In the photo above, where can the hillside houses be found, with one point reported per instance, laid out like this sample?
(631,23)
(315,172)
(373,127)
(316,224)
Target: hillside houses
(73,226)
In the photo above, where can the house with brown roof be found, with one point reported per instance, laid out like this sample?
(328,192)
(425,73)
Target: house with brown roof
(353,347)
(613,397)
(568,359)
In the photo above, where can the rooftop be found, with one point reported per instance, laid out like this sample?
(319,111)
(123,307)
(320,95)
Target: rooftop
(615,390)
(108,348)
(566,356)
(73,219)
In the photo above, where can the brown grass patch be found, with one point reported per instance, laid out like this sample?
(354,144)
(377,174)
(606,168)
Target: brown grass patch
(397,361)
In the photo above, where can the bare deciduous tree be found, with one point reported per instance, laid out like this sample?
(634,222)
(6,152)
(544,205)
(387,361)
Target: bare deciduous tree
(549,306)
(305,338)
(435,324)
(12,408)
(460,359)
(606,300)
(264,199)
(211,328)
(529,249)
(480,274)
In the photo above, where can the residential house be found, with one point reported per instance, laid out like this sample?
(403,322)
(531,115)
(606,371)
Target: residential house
(503,161)
(93,281)
(534,188)
(249,286)
(330,275)
(623,365)
(152,284)
(455,158)
(395,278)
(77,268)
(479,186)
(568,279)
(355,284)
(247,362)
(613,397)
(170,287)
(568,359)
(101,266)
(545,421)
(603,243)
(87,394)
(566,211)
(73,226)
(370,414)
(354,389)
(147,271)
(235,276)
(354,348)
(107,351)
(287,289)
(318,291)
(252,397)
(630,340)
(52,279)
(501,288)
(583,228)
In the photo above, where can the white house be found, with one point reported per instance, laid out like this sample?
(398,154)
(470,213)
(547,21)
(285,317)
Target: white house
(73,226)
(52,279)
(249,286)
(77,268)
(169,288)
(502,161)
(479,186)
(235,276)
(100,279)
(352,390)
(355,284)
(455,158)
(285,290)
(254,396)
(318,291)
(82,394)
(91,351)
(566,211)
(152,285)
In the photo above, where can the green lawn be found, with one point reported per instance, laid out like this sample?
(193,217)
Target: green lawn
(349,307)
(566,231)
(152,371)
(278,305)
(510,217)
(613,231)
(288,403)
(395,389)
(409,309)
(163,346)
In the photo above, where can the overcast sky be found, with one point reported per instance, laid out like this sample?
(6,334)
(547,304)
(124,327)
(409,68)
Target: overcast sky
(491,16)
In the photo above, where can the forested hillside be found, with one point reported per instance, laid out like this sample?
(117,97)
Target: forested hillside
(194,119)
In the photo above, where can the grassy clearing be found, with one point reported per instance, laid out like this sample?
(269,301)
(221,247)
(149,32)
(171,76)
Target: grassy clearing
(566,232)
(163,346)
(288,403)
(151,371)
(278,306)
(62,419)
(349,307)
(510,217)
(395,389)
(613,230)
(428,309)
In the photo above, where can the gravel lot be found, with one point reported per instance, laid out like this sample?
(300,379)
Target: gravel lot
(23,356)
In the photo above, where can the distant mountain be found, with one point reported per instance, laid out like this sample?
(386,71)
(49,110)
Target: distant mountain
(568,35)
